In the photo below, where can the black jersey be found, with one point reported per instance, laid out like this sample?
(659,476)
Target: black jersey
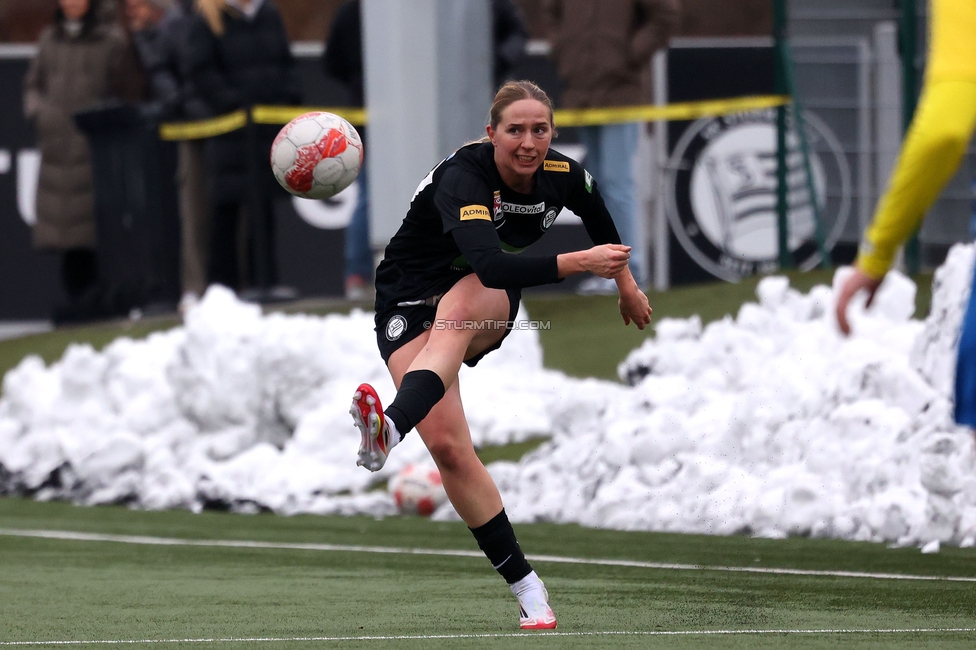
(464,219)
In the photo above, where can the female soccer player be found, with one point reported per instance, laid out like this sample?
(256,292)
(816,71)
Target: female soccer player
(448,290)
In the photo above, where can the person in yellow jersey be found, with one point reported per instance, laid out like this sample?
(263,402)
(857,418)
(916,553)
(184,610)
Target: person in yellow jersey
(935,143)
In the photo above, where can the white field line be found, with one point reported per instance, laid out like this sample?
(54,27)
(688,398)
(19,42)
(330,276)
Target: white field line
(345,548)
(434,637)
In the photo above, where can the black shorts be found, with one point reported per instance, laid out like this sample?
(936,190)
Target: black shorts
(399,325)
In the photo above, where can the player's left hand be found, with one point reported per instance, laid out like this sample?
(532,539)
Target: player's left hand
(857,281)
(633,304)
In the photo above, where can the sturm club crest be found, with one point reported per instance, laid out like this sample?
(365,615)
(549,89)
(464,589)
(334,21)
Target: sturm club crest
(721,193)
(395,327)
(549,218)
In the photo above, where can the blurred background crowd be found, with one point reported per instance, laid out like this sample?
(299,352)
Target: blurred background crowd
(197,59)
(96,72)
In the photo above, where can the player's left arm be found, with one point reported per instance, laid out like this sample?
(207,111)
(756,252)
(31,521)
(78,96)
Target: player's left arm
(584,199)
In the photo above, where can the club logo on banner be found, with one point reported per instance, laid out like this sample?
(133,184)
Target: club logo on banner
(721,193)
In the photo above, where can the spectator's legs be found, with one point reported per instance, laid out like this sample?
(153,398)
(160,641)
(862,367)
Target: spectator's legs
(223,268)
(194,216)
(620,189)
(610,159)
(359,254)
(266,223)
(79,271)
(589,137)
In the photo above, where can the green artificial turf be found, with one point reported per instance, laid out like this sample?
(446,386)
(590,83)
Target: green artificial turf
(55,590)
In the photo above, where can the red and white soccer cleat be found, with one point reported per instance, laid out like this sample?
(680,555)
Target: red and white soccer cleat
(367,413)
(534,610)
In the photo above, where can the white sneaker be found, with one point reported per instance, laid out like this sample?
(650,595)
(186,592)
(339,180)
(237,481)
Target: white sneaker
(367,413)
(534,610)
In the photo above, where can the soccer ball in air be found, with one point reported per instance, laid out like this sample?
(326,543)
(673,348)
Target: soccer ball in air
(417,490)
(317,155)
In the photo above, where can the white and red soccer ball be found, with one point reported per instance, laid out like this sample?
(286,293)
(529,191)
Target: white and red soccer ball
(317,155)
(418,490)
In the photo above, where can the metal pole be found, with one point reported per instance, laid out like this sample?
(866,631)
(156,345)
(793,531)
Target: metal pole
(908,35)
(801,130)
(782,208)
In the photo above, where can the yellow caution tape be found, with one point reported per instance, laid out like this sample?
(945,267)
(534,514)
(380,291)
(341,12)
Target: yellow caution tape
(285,114)
(203,128)
(678,111)
(563,117)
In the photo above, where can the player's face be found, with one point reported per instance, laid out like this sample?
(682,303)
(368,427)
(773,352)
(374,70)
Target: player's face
(521,140)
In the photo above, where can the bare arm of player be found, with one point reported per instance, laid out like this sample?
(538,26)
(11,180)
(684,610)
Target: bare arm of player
(610,261)
(633,302)
(605,260)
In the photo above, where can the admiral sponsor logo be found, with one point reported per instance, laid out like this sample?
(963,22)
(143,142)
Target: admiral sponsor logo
(549,217)
(721,193)
(395,327)
(470,212)
(518,208)
(555,166)
(589,181)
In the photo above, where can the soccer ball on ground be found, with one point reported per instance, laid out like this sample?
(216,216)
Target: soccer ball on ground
(418,490)
(317,155)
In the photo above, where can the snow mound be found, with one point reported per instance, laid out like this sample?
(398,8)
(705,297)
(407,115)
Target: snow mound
(769,423)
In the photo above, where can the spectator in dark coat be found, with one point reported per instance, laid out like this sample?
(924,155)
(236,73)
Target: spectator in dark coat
(80,62)
(238,57)
(160,33)
(509,36)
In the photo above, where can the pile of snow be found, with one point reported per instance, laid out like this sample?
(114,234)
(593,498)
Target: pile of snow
(770,423)
(774,424)
(235,409)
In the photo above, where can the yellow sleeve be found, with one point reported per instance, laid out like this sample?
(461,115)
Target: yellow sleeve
(937,138)
(930,155)
(952,40)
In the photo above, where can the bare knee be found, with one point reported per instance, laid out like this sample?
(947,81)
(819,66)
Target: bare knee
(450,455)
(457,314)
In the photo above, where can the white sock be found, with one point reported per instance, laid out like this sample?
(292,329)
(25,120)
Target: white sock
(393,436)
(526,585)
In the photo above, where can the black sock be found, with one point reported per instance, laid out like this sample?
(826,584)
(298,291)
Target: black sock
(497,540)
(419,391)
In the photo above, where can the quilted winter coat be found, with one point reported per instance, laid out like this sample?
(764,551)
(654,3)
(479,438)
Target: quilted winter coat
(68,74)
